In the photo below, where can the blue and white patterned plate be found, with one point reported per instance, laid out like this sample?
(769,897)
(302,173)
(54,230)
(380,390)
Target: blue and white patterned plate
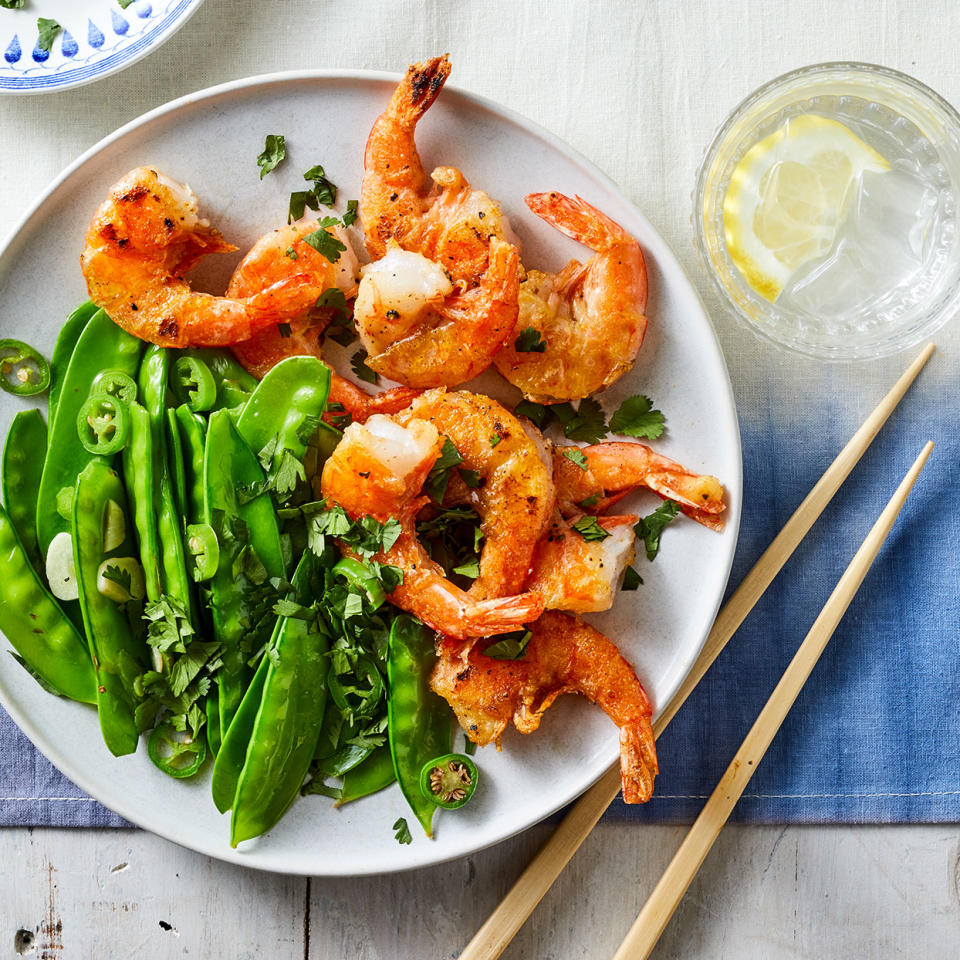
(99,37)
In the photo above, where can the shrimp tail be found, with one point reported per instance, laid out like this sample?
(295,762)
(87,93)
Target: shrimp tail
(418,89)
(362,405)
(579,220)
(503,614)
(638,761)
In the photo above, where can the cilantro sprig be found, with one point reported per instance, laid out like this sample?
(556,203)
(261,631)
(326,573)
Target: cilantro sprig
(649,528)
(273,154)
(635,417)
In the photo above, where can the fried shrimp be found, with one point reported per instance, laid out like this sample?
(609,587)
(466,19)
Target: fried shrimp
(378,470)
(420,331)
(445,220)
(590,315)
(565,655)
(278,256)
(514,489)
(141,242)
(616,468)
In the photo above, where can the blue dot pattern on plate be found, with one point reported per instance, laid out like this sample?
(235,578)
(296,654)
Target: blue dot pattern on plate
(96,39)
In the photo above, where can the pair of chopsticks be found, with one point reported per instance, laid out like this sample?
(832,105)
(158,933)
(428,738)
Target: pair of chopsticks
(502,925)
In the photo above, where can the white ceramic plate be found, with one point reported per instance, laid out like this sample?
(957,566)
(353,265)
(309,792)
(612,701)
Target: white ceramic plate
(211,140)
(99,37)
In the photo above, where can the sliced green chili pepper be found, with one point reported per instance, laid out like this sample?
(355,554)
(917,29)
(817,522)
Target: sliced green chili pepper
(103,425)
(291,713)
(173,755)
(365,669)
(67,339)
(373,774)
(23,370)
(449,781)
(228,464)
(234,384)
(115,383)
(360,576)
(22,467)
(119,657)
(202,546)
(193,383)
(101,345)
(36,626)
(419,721)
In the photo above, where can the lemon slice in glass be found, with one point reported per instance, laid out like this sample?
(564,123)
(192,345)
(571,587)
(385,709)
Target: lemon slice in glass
(789,195)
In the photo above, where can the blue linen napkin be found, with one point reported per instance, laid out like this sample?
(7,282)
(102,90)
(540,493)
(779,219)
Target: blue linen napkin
(875,735)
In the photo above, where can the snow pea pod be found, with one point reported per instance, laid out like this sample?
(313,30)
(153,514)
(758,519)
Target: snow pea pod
(287,726)
(286,407)
(22,467)
(140,477)
(373,774)
(418,724)
(118,655)
(178,469)
(102,345)
(36,626)
(250,550)
(192,438)
(67,339)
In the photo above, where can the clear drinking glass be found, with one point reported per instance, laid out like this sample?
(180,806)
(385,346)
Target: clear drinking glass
(893,275)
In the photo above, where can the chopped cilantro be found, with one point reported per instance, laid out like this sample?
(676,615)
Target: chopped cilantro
(590,529)
(439,476)
(470,569)
(590,502)
(48,30)
(495,438)
(351,215)
(585,424)
(635,417)
(470,477)
(284,330)
(530,341)
(274,152)
(401,830)
(324,190)
(326,244)
(291,253)
(631,579)
(536,412)
(650,527)
(19,5)
(358,363)
(333,299)
(122,578)
(510,646)
(575,454)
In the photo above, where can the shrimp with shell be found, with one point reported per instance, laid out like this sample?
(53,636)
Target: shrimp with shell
(142,240)
(378,470)
(589,319)
(564,655)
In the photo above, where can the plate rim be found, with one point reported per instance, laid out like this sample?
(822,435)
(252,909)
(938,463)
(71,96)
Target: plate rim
(17,85)
(732,484)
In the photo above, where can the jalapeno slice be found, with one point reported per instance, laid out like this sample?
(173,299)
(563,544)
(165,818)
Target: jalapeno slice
(449,781)
(103,425)
(354,699)
(173,753)
(194,384)
(23,370)
(361,577)
(114,383)
(203,546)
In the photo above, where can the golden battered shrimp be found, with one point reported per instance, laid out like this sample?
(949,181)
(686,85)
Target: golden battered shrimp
(142,240)
(447,221)
(282,254)
(565,655)
(420,331)
(579,575)
(591,315)
(378,470)
(616,468)
(515,493)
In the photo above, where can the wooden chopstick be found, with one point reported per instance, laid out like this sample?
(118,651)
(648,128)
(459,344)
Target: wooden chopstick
(531,886)
(668,893)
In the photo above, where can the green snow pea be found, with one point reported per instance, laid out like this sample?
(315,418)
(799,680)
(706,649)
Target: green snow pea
(22,467)
(234,384)
(140,477)
(287,726)
(67,339)
(418,720)
(102,345)
(118,655)
(234,743)
(373,774)
(211,707)
(286,407)
(37,628)
(178,469)
(193,437)
(250,552)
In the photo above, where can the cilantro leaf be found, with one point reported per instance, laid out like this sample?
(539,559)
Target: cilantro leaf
(470,477)
(585,424)
(589,502)
(536,412)
(402,831)
(635,417)
(333,299)
(470,569)
(274,153)
(122,578)
(291,253)
(510,646)
(589,528)
(318,786)
(495,438)
(326,244)
(631,579)
(350,216)
(650,527)
(324,190)
(48,30)
(299,201)
(288,472)
(358,363)
(19,5)
(439,476)
(530,341)
(285,330)
(125,3)
(575,454)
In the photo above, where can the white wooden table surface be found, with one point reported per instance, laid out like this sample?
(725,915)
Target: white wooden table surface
(639,89)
